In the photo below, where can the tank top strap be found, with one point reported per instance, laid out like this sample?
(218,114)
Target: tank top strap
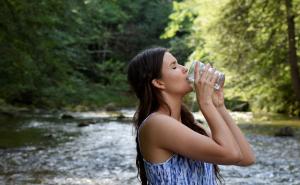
(142,124)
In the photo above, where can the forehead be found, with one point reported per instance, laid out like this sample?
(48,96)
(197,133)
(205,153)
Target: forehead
(168,59)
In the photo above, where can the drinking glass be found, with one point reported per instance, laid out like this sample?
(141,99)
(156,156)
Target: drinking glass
(221,76)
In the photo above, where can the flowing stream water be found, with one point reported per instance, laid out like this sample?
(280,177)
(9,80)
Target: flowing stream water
(43,149)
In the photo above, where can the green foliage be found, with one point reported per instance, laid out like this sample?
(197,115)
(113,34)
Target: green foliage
(65,53)
(116,72)
(257,53)
(179,30)
(248,41)
(70,53)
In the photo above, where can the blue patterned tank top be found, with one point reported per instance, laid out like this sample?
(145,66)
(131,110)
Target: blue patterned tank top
(179,170)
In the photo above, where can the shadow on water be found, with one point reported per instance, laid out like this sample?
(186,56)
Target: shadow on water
(32,131)
(43,149)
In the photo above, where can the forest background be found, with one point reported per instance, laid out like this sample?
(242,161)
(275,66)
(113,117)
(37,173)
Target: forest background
(73,54)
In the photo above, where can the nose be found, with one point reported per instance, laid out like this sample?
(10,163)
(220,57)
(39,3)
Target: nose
(184,69)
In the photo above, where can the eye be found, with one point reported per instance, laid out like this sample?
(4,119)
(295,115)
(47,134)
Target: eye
(174,67)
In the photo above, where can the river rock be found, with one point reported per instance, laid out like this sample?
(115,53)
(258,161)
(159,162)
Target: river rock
(285,132)
(121,116)
(110,107)
(49,135)
(86,123)
(66,116)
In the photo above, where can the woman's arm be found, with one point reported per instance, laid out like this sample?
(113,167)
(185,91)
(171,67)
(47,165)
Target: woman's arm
(220,132)
(248,155)
(162,132)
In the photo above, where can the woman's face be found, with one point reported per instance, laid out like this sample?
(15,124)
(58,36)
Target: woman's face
(174,76)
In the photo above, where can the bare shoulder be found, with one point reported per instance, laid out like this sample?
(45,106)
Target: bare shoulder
(155,119)
(163,131)
(156,122)
(157,126)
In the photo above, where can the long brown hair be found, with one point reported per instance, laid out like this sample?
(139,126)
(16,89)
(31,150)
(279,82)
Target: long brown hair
(142,69)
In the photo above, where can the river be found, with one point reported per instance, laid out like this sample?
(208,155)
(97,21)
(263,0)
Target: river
(44,149)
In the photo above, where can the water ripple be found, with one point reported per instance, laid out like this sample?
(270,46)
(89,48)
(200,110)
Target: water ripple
(104,154)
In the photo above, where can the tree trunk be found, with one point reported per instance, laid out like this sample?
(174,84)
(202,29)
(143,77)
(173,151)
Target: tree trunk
(292,53)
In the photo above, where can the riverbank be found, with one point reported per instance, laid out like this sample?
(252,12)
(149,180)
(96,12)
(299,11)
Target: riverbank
(266,124)
(90,97)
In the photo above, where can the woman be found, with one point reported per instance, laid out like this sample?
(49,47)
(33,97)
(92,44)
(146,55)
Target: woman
(171,147)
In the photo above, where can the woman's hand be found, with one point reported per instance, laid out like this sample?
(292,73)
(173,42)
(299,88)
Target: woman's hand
(218,97)
(204,85)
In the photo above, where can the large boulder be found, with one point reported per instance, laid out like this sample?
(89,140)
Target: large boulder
(110,107)
(285,132)
(66,116)
(85,123)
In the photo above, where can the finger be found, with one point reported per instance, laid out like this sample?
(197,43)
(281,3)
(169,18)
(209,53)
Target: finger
(214,79)
(221,81)
(222,85)
(205,72)
(211,73)
(196,71)
(222,88)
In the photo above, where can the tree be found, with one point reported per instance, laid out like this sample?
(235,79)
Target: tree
(249,40)
(51,50)
(293,58)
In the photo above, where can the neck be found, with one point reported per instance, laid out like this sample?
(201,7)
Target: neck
(174,103)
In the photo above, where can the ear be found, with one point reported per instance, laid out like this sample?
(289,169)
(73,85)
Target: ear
(158,84)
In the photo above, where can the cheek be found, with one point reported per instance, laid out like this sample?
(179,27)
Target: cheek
(174,76)
(171,79)
(175,82)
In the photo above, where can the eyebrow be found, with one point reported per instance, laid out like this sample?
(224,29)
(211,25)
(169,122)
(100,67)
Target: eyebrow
(174,62)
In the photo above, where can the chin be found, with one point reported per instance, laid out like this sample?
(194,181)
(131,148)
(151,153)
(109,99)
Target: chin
(189,88)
